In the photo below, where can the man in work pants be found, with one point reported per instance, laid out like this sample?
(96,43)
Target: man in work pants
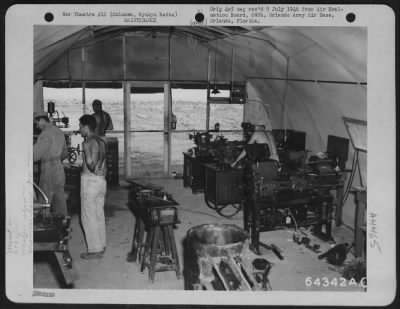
(93,189)
(51,149)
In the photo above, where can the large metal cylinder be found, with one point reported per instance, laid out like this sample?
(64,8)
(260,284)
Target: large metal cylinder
(211,240)
(206,245)
(51,108)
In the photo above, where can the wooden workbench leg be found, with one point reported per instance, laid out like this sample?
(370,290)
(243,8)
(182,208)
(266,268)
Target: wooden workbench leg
(153,253)
(174,251)
(134,250)
(163,249)
(141,240)
(146,250)
(166,240)
(339,206)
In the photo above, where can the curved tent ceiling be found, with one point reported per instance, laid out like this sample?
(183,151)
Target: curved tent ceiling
(333,54)
(307,78)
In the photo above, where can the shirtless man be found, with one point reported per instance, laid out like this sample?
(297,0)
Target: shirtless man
(260,136)
(103,119)
(93,188)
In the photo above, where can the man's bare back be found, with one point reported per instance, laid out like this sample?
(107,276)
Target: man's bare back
(94,158)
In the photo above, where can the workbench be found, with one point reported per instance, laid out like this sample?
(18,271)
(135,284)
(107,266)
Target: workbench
(223,189)
(331,182)
(194,173)
(153,243)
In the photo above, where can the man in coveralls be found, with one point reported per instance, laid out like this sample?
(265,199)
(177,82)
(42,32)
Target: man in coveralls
(51,149)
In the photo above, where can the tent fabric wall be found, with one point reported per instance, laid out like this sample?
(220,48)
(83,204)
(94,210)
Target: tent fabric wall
(255,110)
(302,78)
(38,97)
(52,42)
(323,53)
(189,59)
(146,58)
(93,65)
(336,54)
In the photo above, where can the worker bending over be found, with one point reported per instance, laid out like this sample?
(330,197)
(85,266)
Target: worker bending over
(51,149)
(93,188)
(260,136)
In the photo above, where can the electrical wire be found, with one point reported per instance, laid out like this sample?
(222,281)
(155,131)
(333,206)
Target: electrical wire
(206,214)
(350,184)
(353,166)
(284,98)
(359,172)
(215,63)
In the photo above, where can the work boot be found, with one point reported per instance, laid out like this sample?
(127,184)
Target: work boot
(92,255)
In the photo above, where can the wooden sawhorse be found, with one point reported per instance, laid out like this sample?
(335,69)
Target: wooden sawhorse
(153,244)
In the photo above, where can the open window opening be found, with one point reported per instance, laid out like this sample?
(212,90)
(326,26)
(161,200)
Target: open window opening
(159,134)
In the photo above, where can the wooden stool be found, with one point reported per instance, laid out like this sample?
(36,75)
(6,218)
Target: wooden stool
(153,244)
(160,252)
(138,241)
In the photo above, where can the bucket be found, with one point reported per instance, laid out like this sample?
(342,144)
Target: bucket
(207,244)
(51,108)
(216,240)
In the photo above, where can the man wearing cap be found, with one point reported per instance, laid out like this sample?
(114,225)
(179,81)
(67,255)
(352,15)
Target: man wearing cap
(260,136)
(51,149)
(103,119)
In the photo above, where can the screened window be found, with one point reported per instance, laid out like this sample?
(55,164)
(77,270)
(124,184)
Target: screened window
(229,116)
(147,111)
(190,108)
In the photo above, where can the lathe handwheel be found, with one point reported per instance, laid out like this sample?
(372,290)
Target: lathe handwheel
(236,208)
(209,204)
(219,208)
(72,157)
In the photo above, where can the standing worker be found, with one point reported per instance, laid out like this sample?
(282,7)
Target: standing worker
(51,149)
(93,188)
(103,119)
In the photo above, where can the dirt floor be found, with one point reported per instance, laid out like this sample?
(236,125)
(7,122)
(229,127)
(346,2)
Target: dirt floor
(300,270)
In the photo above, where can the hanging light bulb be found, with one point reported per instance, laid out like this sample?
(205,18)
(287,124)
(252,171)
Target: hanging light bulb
(215,90)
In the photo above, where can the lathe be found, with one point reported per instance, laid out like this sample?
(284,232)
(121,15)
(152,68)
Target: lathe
(193,170)
(218,151)
(272,201)
(51,234)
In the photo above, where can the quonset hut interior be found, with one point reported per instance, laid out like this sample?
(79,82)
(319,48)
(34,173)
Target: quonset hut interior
(178,204)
